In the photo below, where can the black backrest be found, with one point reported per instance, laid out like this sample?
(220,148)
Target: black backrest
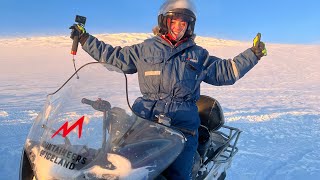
(210,112)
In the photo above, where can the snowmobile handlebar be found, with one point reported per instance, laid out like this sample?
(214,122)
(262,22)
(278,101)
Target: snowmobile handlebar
(99,105)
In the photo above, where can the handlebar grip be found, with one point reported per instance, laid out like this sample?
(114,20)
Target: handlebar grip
(87,101)
(99,105)
(75,43)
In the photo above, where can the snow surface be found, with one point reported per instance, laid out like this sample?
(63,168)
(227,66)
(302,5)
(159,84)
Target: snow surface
(276,104)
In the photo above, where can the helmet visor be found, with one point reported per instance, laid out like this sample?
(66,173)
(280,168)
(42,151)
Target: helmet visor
(177,27)
(184,17)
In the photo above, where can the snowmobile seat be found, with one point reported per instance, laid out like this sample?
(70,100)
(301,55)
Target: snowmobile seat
(210,112)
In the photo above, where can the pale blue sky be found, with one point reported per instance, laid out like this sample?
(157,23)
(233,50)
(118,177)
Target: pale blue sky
(279,21)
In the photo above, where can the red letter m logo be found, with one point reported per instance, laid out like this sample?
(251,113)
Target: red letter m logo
(66,131)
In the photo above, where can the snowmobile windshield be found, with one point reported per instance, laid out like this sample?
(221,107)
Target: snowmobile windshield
(88,131)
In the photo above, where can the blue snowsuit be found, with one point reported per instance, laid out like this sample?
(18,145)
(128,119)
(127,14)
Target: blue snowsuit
(169,79)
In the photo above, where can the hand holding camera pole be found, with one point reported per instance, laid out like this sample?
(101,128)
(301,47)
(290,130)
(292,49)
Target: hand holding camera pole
(77,31)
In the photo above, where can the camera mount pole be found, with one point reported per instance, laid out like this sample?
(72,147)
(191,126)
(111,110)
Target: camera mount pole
(75,43)
(81,20)
(74,50)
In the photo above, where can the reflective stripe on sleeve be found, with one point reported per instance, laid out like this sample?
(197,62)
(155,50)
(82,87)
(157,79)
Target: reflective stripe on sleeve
(235,69)
(152,73)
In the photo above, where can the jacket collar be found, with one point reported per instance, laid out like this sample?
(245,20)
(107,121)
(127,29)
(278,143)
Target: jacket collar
(175,49)
(182,44)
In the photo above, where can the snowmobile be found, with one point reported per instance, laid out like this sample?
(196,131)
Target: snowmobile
(88,130)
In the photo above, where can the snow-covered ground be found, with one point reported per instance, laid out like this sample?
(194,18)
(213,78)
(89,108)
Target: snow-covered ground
(276,105)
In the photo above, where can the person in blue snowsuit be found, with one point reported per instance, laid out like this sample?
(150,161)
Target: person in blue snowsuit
(170,68)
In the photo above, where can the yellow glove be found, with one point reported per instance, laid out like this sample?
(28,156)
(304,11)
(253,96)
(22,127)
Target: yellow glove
(258,47)
(77,30)
(80,32)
